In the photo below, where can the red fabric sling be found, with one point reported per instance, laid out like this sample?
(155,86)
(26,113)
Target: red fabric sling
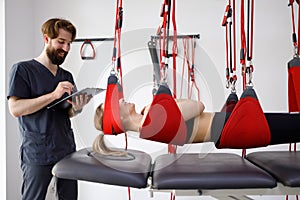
(164,122)
(111,116)
(247,126)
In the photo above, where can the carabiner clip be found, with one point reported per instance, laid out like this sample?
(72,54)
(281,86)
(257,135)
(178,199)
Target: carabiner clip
(233,86)
(296,55)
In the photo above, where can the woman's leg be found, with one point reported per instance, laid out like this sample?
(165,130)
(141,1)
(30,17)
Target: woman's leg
(284,127)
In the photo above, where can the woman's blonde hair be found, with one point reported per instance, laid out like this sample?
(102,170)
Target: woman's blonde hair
(99,145)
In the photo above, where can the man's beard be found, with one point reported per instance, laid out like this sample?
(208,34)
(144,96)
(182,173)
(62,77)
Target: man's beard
(53,55)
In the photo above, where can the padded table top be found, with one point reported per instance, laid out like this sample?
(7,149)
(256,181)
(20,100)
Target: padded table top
(208,171)
(132,170)
(283,165)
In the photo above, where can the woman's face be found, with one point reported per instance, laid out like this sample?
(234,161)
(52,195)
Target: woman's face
(126,108)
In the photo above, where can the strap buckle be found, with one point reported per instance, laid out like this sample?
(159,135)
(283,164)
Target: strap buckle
(248,73)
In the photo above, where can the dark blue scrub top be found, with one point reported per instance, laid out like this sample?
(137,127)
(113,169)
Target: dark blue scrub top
(46,135)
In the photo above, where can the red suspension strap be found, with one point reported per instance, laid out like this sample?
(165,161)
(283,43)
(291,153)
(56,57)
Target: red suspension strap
(112,124)
(247,120)
(116,58)
(243,52)
(111,117)
(189,46)
(174,49)
(165,49)
(162,33)
(231,77)
(164,38)
(294,35)
(249,68)
(164,122)
(229,22)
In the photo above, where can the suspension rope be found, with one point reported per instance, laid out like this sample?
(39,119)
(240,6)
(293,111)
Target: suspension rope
(294,35)
(189,47)
(163,40)
(230,42)
(247,46)
(174,49)
(116,57)
(243,43)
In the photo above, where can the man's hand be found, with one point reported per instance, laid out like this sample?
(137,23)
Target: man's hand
(61,88)
(78,102)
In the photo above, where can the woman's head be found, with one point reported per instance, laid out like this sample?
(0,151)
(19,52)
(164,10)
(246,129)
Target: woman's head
(126,109)
(98,117)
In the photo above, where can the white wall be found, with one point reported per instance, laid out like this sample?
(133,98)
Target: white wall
(2,104)
(94,18)
(19,19)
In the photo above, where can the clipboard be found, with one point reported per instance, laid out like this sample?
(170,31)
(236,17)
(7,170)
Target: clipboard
(90,92)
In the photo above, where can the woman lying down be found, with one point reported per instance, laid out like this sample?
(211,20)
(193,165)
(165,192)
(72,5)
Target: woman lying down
(201,126)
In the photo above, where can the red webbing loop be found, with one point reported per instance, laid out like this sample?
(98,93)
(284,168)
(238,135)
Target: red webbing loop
(187,62)
(87,42)
(189,44)
(183,67)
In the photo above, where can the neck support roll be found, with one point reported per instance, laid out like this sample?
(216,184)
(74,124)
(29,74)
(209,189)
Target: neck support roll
(112,124)
(164,122)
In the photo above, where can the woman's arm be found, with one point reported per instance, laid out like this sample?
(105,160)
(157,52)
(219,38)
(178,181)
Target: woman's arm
(190,108)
